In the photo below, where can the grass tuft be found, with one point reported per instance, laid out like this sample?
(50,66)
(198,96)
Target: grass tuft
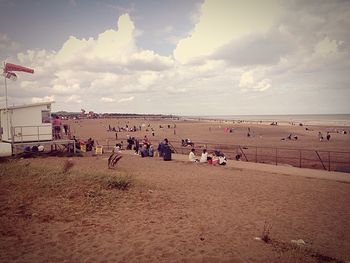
(67,165)
(119,182)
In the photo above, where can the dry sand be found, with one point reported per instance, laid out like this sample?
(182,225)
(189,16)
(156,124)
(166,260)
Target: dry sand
(213,131)
(175,211)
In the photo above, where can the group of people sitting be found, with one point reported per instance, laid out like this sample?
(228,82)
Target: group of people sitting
(216,158)
(290,137)
(187,142)
(321,137)
(89,144)
(146,149)
(164,150)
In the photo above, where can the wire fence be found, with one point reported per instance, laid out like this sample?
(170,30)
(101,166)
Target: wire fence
(303,158)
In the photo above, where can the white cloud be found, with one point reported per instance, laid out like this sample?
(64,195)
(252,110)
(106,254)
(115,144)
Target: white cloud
(105,99)
(222,21)
(73,99)
(247,82)
(326,47)
(126,99)
(239,57)
(42,99)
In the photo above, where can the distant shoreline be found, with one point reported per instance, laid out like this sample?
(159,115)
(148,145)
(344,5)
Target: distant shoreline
(304,119)
(334,120)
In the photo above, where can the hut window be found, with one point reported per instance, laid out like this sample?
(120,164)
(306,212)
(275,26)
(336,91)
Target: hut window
(45,116)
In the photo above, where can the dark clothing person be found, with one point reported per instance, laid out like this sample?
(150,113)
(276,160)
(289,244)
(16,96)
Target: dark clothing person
(160,149)
(166,152)
(65,127)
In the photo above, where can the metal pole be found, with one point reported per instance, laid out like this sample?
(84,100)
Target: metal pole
(276,156)
(6,107)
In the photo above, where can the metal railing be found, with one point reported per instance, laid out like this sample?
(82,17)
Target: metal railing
(21,134)
(303,158)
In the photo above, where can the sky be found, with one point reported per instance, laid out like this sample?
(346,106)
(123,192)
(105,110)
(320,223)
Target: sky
(184,57)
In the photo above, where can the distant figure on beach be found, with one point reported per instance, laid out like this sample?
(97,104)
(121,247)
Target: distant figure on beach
(116,136)
(65,127)
(145,140)
(192,156)
(328,136)
(320,136)
(187,142)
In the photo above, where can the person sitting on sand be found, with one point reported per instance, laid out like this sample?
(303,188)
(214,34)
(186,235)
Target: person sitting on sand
(215,159)
(117,148)
(222,160)
(151,151)
(160,149)
(328,136)
(192,156)
(144,151)
(320,136)
(204,157)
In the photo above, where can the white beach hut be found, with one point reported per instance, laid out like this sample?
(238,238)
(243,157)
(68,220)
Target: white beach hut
(26,123)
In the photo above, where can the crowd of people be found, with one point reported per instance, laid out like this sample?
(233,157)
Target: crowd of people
(216,157)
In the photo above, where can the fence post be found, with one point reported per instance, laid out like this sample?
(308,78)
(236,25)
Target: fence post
(276,155)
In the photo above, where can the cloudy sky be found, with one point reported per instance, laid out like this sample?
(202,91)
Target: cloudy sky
(187,57)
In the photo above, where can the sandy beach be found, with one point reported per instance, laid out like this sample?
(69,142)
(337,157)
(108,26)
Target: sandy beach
(215,135)
(175,211)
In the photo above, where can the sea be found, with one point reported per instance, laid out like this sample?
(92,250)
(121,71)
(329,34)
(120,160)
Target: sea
(305,119)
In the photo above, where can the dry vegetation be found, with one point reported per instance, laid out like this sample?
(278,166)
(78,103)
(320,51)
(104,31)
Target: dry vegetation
(146,210)
(31,191)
